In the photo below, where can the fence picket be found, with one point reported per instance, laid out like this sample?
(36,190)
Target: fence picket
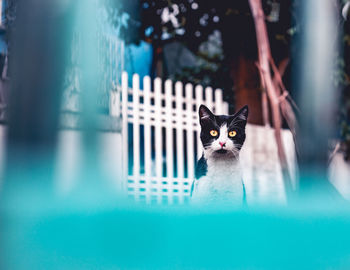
(189,127)
(225,106)
(218,102)
(179,136)
(158,134)
(169,134)
(136,131)
(199,102)
(147,133)
(209,97)
(125,144)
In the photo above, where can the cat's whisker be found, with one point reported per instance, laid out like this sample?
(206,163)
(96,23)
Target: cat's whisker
(235,153)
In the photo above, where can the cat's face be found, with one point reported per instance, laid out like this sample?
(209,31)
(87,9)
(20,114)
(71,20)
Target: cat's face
(222,135)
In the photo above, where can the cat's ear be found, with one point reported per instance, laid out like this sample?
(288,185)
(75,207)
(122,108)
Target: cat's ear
(205,113)
(240,118)
(242,114)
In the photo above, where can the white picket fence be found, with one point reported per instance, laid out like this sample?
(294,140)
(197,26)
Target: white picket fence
(160,131)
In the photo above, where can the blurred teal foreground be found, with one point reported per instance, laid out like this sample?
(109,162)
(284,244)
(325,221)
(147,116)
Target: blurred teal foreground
(59,237)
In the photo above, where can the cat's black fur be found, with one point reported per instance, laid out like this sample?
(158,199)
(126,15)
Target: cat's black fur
(201,170)
(201,167)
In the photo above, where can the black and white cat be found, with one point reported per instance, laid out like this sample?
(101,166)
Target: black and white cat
(218,172)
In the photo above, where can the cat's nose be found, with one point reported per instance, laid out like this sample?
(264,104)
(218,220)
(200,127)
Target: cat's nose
(222,144)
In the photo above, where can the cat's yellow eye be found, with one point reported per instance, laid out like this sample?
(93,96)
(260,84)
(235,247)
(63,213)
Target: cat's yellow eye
(214,133)
(232,133)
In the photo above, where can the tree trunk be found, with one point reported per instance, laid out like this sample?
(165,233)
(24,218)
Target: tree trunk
(274,92)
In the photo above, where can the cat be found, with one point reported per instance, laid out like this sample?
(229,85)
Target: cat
(218,172)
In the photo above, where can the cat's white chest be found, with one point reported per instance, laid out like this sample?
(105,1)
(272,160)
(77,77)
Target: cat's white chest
(222,184)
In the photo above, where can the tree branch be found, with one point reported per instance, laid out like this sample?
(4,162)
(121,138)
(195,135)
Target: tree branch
(273,90)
